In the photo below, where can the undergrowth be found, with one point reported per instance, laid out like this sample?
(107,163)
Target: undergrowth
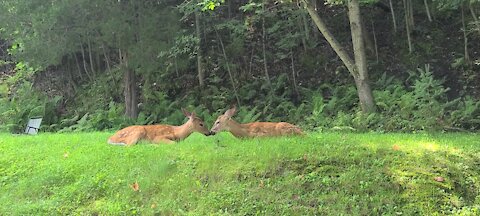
(419,103)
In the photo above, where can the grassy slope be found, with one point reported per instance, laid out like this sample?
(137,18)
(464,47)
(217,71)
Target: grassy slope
(318,174)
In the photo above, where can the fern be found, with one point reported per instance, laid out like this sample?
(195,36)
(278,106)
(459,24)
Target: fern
(245,116)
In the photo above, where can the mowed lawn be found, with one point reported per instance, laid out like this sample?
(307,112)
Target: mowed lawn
(319,174)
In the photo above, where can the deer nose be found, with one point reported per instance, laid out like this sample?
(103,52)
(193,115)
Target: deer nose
(211,133)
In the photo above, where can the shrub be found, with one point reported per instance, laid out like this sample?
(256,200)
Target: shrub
(420,105)
(25,103)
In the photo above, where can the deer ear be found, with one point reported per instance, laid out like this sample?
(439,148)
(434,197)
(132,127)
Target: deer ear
(193,115)
(186,113)
(229,113)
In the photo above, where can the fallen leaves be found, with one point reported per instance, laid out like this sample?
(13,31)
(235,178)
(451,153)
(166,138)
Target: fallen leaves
(396,147)
(295,197)
(135,186)
(262,184)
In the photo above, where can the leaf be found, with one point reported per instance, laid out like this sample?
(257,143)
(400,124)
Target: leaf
(396,147)
(439,179)
(135,186)
(211,6)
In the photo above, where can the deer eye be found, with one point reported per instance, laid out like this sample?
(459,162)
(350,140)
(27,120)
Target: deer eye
(201,124)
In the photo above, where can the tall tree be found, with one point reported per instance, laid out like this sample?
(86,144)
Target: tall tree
(361,77)
(357,68)
(200,69)
(130,34)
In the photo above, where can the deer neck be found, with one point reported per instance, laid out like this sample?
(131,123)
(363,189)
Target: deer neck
(237,129)
(182,131)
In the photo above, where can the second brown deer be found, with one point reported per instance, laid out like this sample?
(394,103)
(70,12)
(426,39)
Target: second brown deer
(255,129)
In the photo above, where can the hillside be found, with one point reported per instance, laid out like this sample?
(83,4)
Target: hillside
(351,174)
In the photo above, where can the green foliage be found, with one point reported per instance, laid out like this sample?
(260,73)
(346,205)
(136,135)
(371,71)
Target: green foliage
(465,115)
(247,116)
(331,112)
(210,4)
(421,106)
(112,118)
(25,103)
(424,106)
(341,2)
(272,101)
(452,4)
(84,40)
(321,173)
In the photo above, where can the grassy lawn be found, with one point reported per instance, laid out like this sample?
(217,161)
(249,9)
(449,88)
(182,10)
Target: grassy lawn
(322,173)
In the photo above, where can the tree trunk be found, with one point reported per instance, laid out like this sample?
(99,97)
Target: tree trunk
(393,16)
(71,80)
(107,61)
(176,67)
(428,10)
(130,91)
(408,25)
(294,74)
(305,25)
(201,74)
(365,96)
(375,42)
(85,64)
(78,66)
(131,100)
(303,28)
(359,70)
(465,37)
(363,86)
(315,32)
(250,65)
(410,7)
(92,67)
(475,18)
(264,38)
(229,7)
(337,47)
(367,40)
(228,67)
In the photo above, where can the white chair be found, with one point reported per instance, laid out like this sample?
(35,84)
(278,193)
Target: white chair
(33,125)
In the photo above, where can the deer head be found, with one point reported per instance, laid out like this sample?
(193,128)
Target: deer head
(223,122)
(195,123)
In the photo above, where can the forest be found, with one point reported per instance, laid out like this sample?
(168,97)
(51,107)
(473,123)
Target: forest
(351,65)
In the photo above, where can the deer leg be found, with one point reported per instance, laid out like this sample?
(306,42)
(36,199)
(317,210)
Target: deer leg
(133,138)
(162,139)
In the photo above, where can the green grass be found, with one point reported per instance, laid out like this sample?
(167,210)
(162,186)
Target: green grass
(322,173)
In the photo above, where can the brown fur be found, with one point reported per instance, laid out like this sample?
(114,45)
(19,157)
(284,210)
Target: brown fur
(159,133)
(255,129)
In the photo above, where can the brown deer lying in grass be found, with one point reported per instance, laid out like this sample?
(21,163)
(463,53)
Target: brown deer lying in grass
(255,129)
(159,133)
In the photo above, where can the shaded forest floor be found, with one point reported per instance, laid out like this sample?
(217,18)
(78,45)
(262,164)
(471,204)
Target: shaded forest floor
(322,173)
